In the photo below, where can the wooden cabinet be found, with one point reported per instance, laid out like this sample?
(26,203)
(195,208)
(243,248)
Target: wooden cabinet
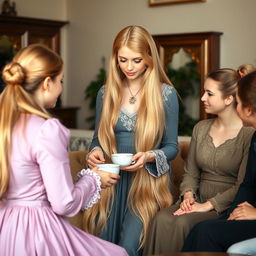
(19,32)
(203,48)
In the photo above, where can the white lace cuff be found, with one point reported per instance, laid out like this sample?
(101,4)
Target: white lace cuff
(95,198)
(161,163)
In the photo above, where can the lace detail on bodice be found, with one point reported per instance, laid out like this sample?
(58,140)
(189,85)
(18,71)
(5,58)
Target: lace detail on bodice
(166,91)
(128,122)
(162,165)
(95,198)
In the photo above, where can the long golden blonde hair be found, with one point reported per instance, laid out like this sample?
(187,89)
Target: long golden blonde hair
(147,194)
(22,77)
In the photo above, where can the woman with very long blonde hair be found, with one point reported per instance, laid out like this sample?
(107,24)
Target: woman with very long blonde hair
(137,112)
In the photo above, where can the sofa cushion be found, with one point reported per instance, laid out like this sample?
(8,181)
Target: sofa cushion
(77,160)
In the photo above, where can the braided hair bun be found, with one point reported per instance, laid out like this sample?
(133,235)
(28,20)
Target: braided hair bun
(14,74)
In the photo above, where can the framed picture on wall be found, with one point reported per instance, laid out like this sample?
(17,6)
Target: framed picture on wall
(167,2)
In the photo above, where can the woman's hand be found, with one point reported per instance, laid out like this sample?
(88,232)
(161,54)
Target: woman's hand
(188,201)
(186,204)
(95,157)
(107,179)
(243,211)
(140,159)
(202,207)
(196,207)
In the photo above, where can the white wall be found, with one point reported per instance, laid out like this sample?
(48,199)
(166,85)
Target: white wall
(94,24)
(46,9)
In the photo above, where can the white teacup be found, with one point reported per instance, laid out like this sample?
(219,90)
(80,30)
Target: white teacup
(122,159)
(114,168)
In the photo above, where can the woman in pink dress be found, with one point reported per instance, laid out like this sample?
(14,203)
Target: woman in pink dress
(36,187)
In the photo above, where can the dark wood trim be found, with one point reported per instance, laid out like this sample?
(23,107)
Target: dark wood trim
(66,115)
(203,46)
(32,21)
(153,3)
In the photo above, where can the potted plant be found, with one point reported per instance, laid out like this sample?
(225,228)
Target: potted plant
(92,90)
(185,79)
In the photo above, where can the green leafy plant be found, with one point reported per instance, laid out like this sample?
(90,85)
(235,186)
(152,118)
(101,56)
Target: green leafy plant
(92,90)
(7,52)
(185,79)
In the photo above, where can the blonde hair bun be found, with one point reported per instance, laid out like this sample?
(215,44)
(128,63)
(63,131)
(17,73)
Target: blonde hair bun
(13,74)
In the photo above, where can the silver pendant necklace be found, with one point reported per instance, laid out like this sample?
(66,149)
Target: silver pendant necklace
(132,99)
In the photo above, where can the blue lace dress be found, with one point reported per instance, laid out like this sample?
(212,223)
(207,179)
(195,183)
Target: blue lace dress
(123,226)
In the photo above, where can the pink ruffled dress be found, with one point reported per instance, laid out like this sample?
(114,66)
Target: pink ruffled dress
(41,193)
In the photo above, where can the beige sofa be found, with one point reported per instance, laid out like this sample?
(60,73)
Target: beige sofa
(78,162)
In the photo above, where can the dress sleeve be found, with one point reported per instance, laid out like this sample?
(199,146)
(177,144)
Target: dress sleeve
(247,190)
(223,200)
(168,148)
(51,154)
(192,171)
(99,101)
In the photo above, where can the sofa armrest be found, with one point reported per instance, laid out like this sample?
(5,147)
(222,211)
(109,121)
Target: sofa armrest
(77,160)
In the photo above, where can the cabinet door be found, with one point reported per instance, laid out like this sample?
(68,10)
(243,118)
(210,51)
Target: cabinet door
(46,40)
(18,32)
